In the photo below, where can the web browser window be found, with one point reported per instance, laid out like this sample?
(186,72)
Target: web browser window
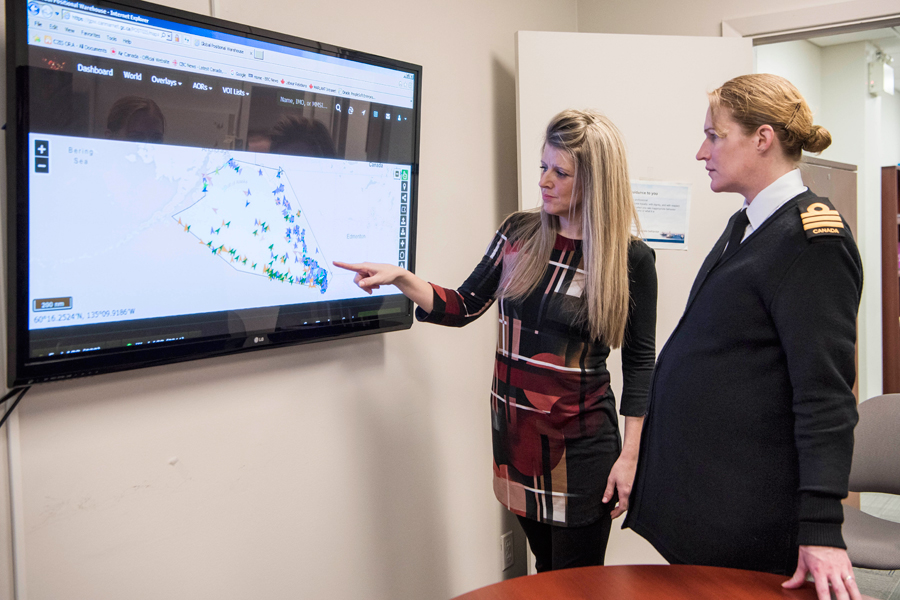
(176,170)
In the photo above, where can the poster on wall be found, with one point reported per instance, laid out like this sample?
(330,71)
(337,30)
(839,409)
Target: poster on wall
(663,208)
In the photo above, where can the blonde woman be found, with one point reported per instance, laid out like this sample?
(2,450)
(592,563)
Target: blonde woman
(749,436)
(571,283)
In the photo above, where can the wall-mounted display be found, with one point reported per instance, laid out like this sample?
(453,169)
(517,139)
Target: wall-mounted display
(180,185)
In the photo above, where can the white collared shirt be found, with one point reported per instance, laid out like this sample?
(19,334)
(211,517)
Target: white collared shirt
(772,198)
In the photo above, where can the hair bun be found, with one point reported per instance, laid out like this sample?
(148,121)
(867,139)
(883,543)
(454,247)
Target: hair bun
(819,138)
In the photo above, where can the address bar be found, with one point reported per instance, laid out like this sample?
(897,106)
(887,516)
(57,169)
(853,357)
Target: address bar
(119,27)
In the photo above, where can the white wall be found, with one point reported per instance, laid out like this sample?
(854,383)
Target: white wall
(890,129)
(853,118)
(799,62)
(342,470)
(833,80)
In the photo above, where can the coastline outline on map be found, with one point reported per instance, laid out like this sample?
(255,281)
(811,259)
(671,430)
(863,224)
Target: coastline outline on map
(250,216)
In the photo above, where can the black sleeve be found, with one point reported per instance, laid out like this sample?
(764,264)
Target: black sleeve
(639,346)
(457,308)
(815,311)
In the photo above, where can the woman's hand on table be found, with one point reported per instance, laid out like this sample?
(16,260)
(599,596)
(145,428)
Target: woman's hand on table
(831,571)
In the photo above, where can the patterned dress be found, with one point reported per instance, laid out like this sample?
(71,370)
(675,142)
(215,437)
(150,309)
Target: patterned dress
(555,431)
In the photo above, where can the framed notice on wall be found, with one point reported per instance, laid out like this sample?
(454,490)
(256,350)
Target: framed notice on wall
(663,209)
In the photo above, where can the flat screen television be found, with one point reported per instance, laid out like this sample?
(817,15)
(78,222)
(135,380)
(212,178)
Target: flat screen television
(179,186)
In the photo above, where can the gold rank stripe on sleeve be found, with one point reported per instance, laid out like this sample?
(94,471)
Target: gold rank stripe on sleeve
(831,215)
(838,224)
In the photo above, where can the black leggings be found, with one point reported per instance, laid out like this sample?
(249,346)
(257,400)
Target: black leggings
(567,547)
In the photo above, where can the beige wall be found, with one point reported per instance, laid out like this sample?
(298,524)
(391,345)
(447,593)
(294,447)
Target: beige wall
(685,17)
(342,470)
(354,469)
(6,581)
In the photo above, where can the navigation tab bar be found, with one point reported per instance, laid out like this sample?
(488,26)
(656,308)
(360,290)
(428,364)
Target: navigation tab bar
(164,81)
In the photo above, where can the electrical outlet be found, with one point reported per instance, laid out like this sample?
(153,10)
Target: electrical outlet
(506,549)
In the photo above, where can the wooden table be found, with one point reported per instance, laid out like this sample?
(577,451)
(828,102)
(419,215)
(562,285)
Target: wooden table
(644,582)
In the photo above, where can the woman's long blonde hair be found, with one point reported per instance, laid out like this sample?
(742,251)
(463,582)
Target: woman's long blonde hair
(602,190)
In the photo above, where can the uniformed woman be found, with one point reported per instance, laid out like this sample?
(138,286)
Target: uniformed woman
(746,451)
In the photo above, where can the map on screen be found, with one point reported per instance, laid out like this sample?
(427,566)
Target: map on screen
(177,230)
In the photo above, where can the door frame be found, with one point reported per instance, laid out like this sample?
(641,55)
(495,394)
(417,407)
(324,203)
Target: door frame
(813,21)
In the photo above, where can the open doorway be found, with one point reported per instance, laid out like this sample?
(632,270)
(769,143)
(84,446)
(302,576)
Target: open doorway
(834,72)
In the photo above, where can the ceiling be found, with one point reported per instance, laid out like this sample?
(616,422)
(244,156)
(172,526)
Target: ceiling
(887,38)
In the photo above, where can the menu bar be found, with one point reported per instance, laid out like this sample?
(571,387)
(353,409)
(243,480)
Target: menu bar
(195,83)
(85,33)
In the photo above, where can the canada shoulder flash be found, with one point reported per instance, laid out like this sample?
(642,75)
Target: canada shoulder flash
(820,219)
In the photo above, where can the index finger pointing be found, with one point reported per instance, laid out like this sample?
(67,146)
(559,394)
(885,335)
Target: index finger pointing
(347,266)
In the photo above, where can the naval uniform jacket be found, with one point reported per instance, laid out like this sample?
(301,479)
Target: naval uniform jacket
(746,449)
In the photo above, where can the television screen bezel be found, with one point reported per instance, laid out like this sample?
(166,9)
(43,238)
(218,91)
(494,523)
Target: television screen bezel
(21,370)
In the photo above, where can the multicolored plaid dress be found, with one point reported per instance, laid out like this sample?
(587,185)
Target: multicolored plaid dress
(555,431)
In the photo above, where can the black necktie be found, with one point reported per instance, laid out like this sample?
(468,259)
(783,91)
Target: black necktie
(737,234)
